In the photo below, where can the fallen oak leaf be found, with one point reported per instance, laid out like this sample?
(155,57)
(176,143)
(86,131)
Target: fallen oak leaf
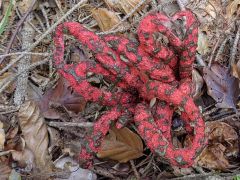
(213,157)
(223,143)
(106,19)
(121,145)
(221,85)
(34,131)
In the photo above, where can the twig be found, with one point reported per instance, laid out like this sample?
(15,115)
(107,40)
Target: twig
(44,14)
(181,5)
(40,21)
(147,167)
(71,124)
(221,48)
(228,117)
(234,48)
(3,153)
(43,36)
(4,109)
(103,172)
(154,3)
(59,6)
(135,170)
(27,36)
(206,175)
(47,175)
(208,112)
(125,18)
(8,111)
(72,131)
(27,53)
(213,52)
(200,60)
(16,31)
(11,79)
(35,28)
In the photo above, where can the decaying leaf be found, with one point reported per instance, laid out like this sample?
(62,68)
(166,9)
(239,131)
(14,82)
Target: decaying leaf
(236,70)
(5,170)
(221,85)
(2,136)
(63,95)
(106,19)
(232,7)
(12,139)
(124,6)
(25,159)
(34,131)
(197,83)
(220,132)
(213,157)
(202,43)
(25,4)
(222,143)
(121,145)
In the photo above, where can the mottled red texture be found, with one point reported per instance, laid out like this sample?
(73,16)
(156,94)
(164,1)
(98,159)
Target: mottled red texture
(143,69)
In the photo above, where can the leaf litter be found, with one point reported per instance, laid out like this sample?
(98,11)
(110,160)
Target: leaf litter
(221,85)
(34,146)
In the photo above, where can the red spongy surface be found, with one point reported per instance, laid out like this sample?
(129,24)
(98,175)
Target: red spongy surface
(143,69)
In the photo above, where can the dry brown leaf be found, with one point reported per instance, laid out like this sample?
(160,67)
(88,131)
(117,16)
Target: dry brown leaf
(106,19)
(2,136)
(121,145)
(232,8)
(34,131)
(124,6)
(222,143)
(213,157)
(12,139)
(220,132)
(221,85)
(197,83)
(63,95)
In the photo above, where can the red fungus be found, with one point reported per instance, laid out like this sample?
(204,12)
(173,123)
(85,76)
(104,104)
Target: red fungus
(152,69)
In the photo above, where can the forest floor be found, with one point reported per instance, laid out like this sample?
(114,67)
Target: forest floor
(44,120)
